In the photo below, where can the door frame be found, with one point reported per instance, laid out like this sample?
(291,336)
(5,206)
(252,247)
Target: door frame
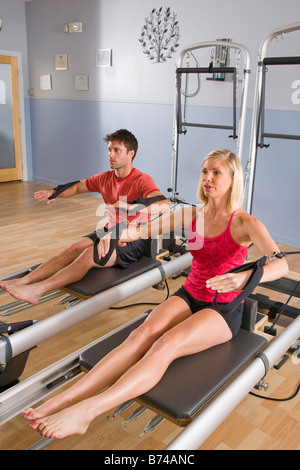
(18,55)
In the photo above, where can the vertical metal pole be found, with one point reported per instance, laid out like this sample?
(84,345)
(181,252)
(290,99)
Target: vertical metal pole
(251,164)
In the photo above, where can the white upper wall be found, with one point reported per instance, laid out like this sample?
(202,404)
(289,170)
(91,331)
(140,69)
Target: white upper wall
(117,25)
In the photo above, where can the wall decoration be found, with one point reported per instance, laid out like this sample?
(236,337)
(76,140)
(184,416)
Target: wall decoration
(160,35)
(104,58)
(81,82)
(61,61)
(46,82)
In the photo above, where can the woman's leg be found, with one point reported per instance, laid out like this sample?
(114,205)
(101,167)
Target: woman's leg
(198,332)
(118,361)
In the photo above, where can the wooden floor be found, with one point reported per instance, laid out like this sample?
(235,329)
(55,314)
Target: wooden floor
(32,232)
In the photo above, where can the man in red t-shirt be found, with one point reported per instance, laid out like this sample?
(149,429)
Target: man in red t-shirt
(122,184)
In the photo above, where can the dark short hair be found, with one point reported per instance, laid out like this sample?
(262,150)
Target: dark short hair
(126,138)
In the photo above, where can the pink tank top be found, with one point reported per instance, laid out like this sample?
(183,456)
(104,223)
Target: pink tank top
(212,257)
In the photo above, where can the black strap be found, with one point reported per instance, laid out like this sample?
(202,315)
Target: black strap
(61,188)
(254,280)
(145,202)
(281,254)
(141,201)
(256,275)
(116,230)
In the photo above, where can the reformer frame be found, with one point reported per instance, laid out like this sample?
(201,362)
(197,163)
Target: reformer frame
(178,123)
(258,121)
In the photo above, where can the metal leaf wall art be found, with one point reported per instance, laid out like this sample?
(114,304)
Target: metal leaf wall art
(160,35)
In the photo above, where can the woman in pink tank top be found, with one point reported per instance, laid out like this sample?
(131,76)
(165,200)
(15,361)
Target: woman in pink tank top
(187,323)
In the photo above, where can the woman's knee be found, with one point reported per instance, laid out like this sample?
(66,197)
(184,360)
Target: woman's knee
(143,335)
(165,346)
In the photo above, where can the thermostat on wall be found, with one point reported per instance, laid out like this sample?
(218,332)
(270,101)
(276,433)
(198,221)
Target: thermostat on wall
(73,27)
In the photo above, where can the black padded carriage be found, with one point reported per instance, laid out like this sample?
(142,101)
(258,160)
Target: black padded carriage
(98,280)
(190,381)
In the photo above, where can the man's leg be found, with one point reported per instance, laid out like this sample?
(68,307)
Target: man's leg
(73,272)
(51,266)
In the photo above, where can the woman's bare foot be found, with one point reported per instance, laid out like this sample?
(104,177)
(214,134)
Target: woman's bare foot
(73,420)
(46,409)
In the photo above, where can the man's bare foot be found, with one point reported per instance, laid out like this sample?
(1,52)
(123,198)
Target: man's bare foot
(27,293)
(73,420)
(13,282)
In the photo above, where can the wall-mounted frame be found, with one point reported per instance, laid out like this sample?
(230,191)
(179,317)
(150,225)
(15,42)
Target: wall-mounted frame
(61,61)
(46,82)
(104,58)
(81,82)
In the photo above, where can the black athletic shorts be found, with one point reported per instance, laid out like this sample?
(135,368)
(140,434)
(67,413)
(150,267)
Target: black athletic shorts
(233,319)
(128,254)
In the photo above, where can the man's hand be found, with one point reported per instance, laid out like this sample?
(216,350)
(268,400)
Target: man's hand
(43,196)
(104,245)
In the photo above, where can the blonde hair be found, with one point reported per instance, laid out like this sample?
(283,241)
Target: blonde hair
(235,198)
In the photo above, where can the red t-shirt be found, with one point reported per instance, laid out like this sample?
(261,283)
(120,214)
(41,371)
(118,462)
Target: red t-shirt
(112,189)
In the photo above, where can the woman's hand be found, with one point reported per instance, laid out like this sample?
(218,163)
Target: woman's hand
(43,195)
(229,282)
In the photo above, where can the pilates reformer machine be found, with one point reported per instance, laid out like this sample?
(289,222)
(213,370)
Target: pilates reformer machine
(182,97)
(258,133)
(196,393)
(290,283)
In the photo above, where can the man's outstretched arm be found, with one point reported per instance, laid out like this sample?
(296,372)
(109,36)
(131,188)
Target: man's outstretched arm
(79,187)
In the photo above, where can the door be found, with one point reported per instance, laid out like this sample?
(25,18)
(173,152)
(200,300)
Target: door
(10,124)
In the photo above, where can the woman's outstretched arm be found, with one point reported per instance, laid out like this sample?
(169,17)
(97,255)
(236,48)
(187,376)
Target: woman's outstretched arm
(167,223)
